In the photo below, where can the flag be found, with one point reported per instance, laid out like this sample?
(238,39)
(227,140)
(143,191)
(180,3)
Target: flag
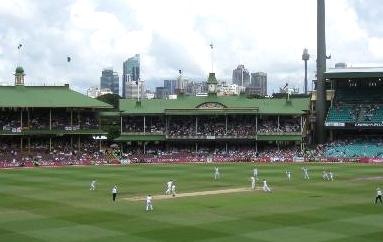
(286,86)
(180,71)
(19,46)
(68,59)
(211,45)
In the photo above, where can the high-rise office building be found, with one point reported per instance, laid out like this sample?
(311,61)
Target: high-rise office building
(170,86)
(109,79)
(132,90)
(161,93)
(258,83)
(241,76)
(130,73)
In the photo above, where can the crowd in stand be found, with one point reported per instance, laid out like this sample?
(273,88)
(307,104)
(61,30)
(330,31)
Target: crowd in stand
(206,154)
(285,126)
(12,123)
(210,127)
(61,153)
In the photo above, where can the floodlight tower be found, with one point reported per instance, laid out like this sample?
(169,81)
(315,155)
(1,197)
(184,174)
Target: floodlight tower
(305,58)
(321,69)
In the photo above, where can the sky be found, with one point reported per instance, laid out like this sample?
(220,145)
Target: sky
(267,36)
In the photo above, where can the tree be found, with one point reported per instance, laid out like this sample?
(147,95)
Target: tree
(112,99)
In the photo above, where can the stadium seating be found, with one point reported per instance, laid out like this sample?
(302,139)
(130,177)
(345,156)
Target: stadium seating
(355,149)
(361,106)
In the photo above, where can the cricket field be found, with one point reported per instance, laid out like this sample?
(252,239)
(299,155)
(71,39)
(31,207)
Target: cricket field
(55,204)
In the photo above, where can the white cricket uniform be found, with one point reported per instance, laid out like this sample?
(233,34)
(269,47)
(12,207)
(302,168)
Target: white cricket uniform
(325,175)
(149,205)
(216,173)
(255,172)
(331,176)
(252,182)
(288,173)
(173,190)
(266,188)
(168,187)
(305,174)
(93,185)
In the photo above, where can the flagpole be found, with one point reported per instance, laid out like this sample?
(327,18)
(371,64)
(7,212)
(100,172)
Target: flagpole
(19,54)
(212,46)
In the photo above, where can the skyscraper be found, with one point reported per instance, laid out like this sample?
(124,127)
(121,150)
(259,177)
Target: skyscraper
(170,86)
(241,76)
(109,79)
(130,73)
(259,83)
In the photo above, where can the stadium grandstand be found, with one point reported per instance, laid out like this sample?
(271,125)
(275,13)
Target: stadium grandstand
(43,125)
(213,128)
(355,115)
(53,125)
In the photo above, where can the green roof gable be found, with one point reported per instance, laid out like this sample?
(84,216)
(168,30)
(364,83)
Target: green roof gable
(223,104)
(46,96)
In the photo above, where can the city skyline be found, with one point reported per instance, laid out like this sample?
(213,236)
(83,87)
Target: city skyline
(176,35)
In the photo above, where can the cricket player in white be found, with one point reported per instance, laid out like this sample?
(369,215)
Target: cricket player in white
(252,179)
(325,175)
(114,193)
(288,173)
(331,176)
(378,195)
(173,190)
(93,185)
(169,187)
(149,205)
(255,173)
(216,173)
(305,173)
(266,188)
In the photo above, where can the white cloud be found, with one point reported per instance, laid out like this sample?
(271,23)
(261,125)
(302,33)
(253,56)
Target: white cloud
(266,36)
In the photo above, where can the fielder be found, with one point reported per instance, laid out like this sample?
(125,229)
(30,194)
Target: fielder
(378,195)
(305,173)
(252,179)
(288,173)
(92,185)
(217,175)
(331,176)
(149,205)
(169,187)
(173,189)
(255,173)
(325,175)
(266,188)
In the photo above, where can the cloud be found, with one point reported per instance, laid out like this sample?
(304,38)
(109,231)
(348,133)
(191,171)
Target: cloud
(266,36)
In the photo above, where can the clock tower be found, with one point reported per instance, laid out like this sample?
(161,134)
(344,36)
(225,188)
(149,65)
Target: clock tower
(212,85)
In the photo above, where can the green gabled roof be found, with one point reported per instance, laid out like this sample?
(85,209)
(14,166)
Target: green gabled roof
(46,96)
(231,104)
(354,72)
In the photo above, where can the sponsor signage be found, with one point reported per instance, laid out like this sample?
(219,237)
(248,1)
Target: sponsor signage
(334,124)
(100,137)
(369,125)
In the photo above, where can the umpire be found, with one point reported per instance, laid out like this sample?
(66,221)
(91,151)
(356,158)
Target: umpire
(114,192)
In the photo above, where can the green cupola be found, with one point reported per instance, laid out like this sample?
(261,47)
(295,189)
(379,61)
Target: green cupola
(19,76)
(212,85)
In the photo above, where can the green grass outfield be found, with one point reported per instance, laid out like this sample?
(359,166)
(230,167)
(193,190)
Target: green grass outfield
(55,204)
